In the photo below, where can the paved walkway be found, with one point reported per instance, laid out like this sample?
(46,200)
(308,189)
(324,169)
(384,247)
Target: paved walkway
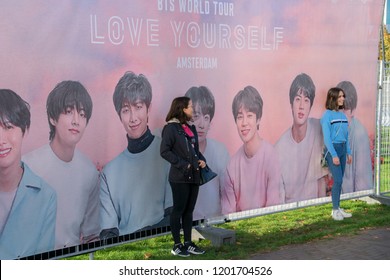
(371,244)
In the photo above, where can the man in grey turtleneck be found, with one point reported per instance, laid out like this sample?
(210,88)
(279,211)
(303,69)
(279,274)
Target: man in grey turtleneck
(135,192)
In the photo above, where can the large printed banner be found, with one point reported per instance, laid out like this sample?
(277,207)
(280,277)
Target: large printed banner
(253,70)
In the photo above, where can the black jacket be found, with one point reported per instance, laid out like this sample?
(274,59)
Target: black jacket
(179,152)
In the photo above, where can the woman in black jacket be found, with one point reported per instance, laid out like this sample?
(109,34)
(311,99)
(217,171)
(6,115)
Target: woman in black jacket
(180,147)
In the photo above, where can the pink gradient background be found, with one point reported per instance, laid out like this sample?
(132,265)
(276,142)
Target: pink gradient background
(44,42)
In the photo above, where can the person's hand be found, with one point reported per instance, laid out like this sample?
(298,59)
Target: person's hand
(349,159)
(202,163)
(336,161)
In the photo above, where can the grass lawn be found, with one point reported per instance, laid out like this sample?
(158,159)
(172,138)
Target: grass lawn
(262,234)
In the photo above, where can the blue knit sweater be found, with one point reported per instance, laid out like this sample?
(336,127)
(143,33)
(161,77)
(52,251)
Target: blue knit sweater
(335,130)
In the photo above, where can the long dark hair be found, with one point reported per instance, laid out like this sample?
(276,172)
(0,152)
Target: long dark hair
(176,110)
(331,99)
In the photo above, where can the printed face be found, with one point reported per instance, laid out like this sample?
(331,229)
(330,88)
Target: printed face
(70,126)
(246,125)
(134,118)
(10,145)
(201,122)
(340,99)
(349,113)
(189,110)
(300,109)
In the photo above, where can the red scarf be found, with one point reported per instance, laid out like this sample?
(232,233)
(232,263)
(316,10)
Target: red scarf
(187,130)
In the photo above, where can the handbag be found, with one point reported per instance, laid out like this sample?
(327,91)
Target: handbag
(206,175)
(324,163)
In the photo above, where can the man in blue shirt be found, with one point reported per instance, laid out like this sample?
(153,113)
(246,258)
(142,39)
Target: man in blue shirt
(27,204)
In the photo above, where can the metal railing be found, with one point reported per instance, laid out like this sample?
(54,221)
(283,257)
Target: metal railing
(382,162)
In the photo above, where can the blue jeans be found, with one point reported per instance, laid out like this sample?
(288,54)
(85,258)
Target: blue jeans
(337,172)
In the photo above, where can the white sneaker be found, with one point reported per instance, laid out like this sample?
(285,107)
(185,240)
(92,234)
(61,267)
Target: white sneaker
(345,214)
(337,215)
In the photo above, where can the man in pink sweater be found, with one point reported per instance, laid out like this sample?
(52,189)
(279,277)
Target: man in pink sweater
(252,176)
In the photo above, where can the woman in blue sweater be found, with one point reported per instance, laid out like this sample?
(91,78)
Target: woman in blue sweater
(337,149)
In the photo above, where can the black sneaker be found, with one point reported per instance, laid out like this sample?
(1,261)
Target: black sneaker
(193,249)
(180,250)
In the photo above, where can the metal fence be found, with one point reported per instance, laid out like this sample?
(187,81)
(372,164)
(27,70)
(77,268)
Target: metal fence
(382,162)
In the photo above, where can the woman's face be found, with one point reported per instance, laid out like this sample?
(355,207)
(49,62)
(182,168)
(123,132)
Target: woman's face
(340,99)
(188,111)
(201,122)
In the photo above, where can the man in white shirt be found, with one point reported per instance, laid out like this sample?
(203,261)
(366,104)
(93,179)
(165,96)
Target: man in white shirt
(300,146)
(73,175)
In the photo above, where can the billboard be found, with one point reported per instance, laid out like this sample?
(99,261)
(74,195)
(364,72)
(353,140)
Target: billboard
(211,51)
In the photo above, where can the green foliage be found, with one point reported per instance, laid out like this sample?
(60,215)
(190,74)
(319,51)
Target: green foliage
(263,234)
(386,43)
